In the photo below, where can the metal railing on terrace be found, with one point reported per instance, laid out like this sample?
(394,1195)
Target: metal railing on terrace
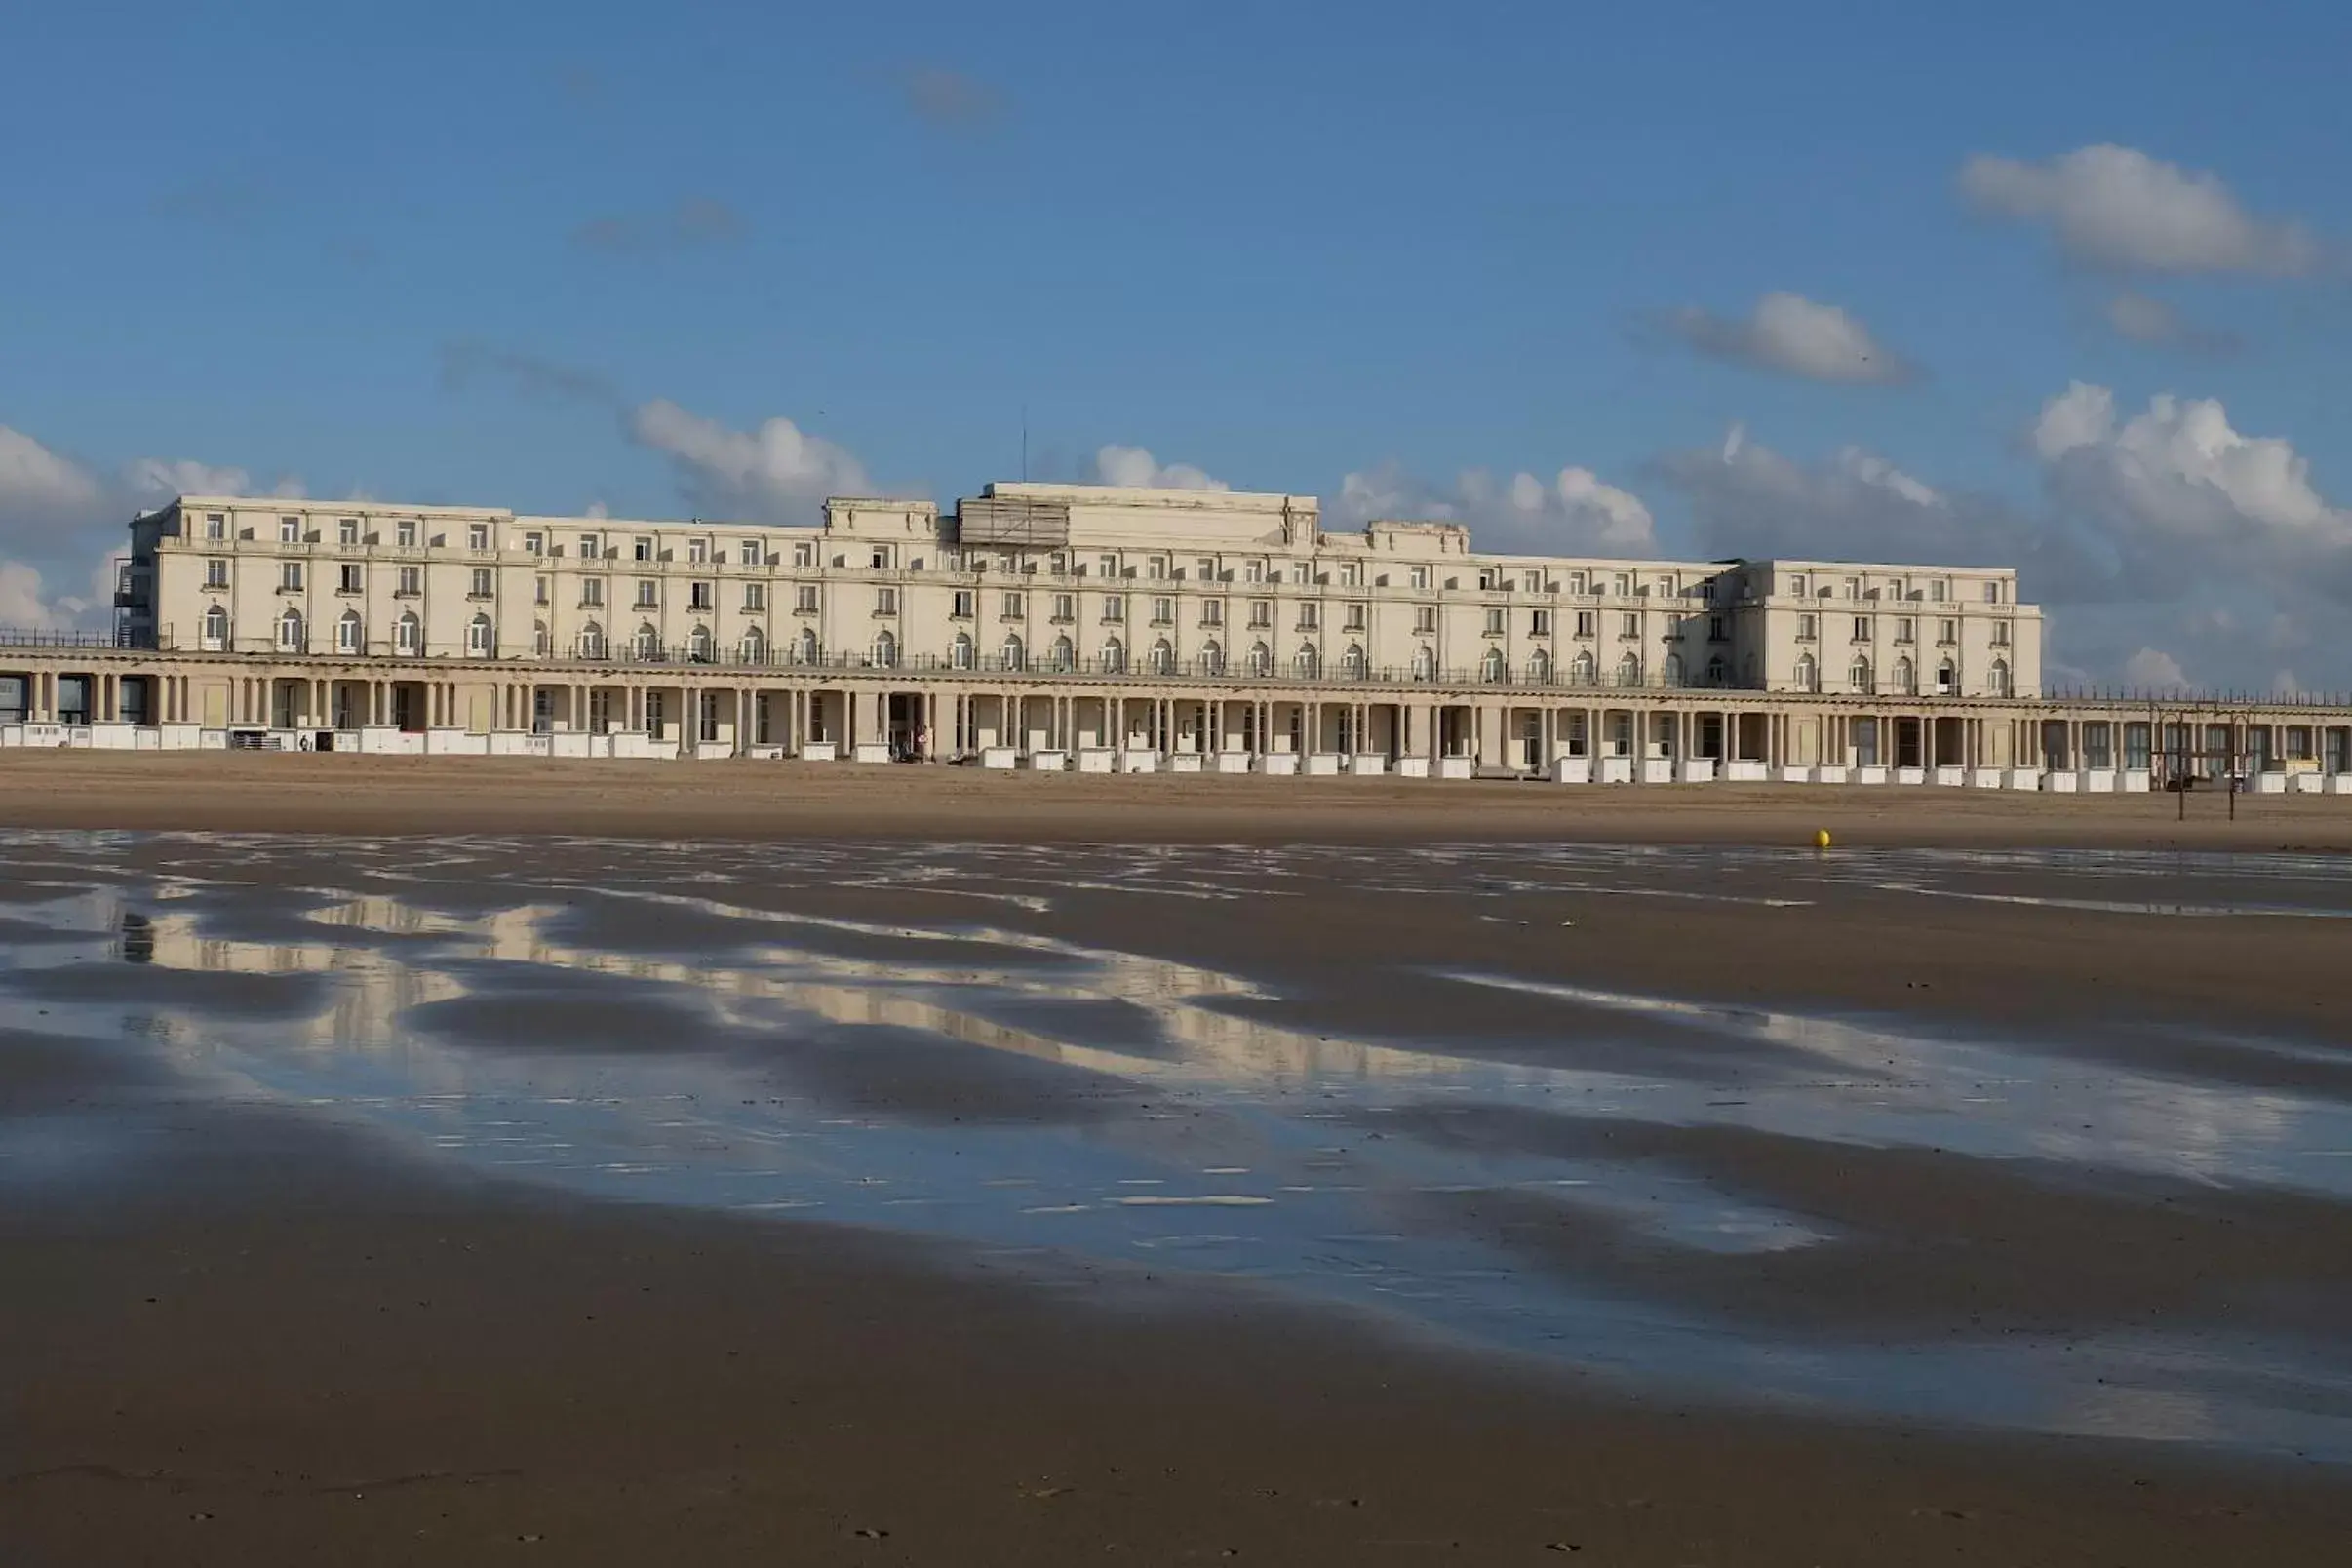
(120,637)
(2175,698)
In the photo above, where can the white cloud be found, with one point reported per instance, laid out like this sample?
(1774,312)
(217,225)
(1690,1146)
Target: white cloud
(1796,336)
(2154,670)
(33,477)
(160,479)
(1572,513)
(1136,468)
(777,473)
(2118,207)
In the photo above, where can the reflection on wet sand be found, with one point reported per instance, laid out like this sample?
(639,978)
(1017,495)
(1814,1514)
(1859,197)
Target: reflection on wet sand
(1176,1122)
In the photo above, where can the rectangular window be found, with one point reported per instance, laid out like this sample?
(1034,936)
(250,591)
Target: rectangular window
(1261,612)
(1254,572)
(1902,628)
(748,553)
(642,549)
(1425,619)
(1861,628)
(755,596)
(477,536)
(1628,626)
(216,524)
(2136,745)
(803,554)
(216,574)
(412,581)
(1352,575)
(1421,578)
(539,590)
(2000,634)
(1717,630)
(698,551)
(1359,617)
(1939,590)
(1310,616)
(1539,623)
(590,547)
(592,592)
(1623,587)
(289,577)
(1156,568)
(805,599)
(534,544)
(346,530)
(2099,745)
(347,578)
(1531,582)
(1016,605)
(1852,587)
(1806,625)
(1947,632)
(482,583)
(404,534)
(1489,581)
(1205,570)
(1109,566)
(886,601)
(1494,622)
(1584,620)
(1065,607)
(1115,606)
(648,594)
(1163,611)
(960,604)
(289,531)
(701,594)
(1212,613)
(1992,593)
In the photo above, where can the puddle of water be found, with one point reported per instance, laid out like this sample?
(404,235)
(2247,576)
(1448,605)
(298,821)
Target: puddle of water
(1270,1129)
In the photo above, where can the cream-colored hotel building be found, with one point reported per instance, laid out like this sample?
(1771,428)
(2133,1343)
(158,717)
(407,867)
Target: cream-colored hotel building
(1096,629)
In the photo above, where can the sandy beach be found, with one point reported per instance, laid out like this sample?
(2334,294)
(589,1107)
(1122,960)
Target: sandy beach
(311,792)
(789,1164)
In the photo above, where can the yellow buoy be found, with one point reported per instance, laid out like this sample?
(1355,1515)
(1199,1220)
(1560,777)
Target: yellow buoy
(1820,837)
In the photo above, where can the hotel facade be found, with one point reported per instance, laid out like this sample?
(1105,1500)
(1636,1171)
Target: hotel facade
(1094,628)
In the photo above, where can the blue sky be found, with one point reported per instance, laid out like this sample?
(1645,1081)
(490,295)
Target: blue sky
(455,254)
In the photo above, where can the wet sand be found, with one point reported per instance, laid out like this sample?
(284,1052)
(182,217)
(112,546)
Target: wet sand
(306,793)
(244,1328)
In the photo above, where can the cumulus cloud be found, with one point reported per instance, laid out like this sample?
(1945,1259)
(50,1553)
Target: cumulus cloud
(2154,670)
(1136,467)
(950,100)
(1573,513)
(1796,336)
(2118,209)
(694,222)
(777,473)
(53,512)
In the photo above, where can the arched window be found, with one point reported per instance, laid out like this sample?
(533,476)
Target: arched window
(1307,662)
(1858,676)
(1015,654)
(805,650)
(649,641)
(1717,673)
(1163,659)
(541,644)
(1114,656)
(1906,678)
(1261,659)
(1425,663)
(290,632)
(1675,671)
(1946,678)
(408,635)
(752,648)
(592,641)
(1538,667)
(347,638)
(1490,667)
(698,645)
(1352,662)
(1808,674)
(886,650)
(481,637)
(1628,670)
(1586,670)
(959,651)
(1212,659)
(2000,678)
(216,628)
